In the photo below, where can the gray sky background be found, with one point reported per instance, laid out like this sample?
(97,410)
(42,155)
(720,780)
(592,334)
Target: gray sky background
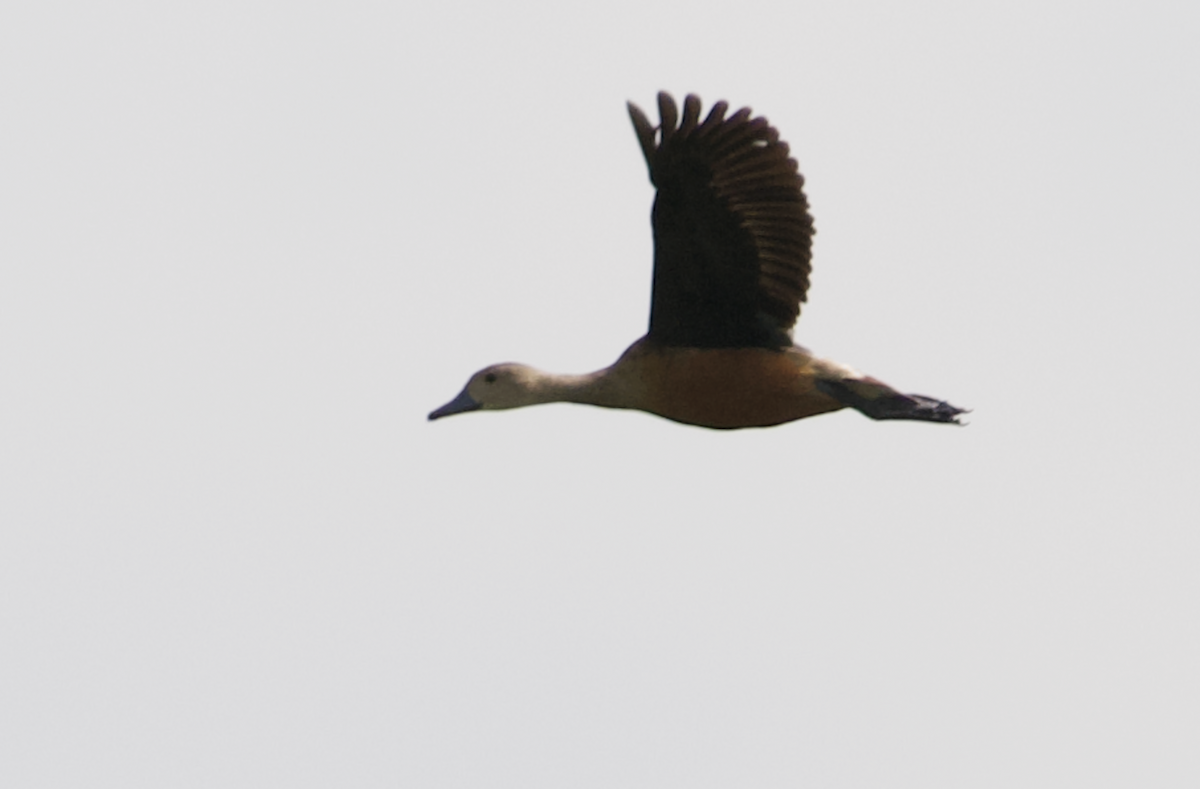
(247,246)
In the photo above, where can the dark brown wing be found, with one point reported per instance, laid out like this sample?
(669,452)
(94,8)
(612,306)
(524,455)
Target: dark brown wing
(732,234)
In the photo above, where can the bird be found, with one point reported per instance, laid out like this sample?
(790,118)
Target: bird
(732,259)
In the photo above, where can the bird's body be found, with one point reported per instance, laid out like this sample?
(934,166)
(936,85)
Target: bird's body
(732,259)
(720,387)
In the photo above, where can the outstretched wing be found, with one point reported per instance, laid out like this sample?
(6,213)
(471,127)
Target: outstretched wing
(732,234)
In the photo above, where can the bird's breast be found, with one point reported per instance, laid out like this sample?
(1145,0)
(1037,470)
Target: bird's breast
(723,387)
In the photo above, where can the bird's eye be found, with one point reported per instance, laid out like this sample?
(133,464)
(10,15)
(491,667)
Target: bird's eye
(490,378)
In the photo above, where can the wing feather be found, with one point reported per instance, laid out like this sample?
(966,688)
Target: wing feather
(732,233)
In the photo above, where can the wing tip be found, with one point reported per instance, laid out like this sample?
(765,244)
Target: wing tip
(645,134)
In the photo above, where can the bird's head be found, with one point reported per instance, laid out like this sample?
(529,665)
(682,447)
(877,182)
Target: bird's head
(507,385)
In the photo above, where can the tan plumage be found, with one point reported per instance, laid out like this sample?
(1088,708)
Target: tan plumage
(732,258)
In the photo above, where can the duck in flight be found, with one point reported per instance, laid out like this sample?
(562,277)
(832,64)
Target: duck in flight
(732,252)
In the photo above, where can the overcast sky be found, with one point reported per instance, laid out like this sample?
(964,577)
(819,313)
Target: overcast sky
(247,246)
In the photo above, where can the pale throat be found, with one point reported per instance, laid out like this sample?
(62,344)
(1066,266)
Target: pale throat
(601,388)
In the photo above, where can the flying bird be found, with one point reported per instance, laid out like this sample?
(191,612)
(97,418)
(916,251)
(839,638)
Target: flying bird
(732,257)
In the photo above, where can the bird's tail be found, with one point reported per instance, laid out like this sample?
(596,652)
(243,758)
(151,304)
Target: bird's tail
(880,401)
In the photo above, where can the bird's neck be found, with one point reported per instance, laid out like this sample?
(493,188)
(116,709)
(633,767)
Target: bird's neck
(597,388)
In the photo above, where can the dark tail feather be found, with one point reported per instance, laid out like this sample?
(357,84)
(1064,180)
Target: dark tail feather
(880,401)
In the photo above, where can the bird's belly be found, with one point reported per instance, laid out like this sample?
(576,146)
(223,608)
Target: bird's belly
(730,387)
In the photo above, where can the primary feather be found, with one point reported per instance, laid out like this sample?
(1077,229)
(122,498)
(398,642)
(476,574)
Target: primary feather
(732,233)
